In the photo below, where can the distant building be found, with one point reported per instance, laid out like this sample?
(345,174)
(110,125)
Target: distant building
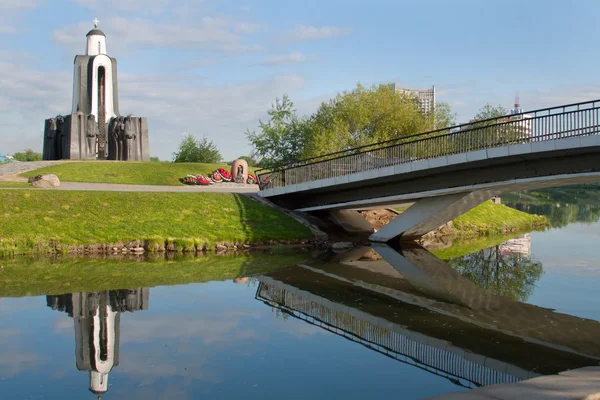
(526,125)
(425,97)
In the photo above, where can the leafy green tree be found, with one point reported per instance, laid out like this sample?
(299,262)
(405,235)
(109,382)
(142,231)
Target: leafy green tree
(283,138)
(28,155)
(154,159)
(444,117)
(489,111)
(353,118)
(363,116)
(198,151)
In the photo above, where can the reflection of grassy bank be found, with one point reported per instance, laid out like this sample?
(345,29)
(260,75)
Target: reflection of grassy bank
(36,220)
(490,219)
(463,247)
(29,277)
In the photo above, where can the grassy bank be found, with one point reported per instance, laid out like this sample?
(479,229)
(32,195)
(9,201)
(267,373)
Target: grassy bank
(5,184)
(133,173)
(36,220)
(23,276)
(490,219)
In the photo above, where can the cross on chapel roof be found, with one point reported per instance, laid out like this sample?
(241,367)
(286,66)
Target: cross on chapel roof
(95,21)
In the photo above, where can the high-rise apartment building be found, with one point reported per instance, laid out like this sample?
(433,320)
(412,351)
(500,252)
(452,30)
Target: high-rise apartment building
(425,97)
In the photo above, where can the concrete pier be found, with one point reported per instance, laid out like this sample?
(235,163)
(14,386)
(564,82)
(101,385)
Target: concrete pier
(577,384)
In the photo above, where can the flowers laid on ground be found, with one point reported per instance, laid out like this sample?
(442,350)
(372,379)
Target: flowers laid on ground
(224,174)
(217,176)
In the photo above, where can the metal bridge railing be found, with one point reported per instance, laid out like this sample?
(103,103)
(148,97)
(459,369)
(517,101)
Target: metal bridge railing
(580,119)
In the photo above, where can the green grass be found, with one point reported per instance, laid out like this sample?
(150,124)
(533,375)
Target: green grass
(36,220)
(133,173)
(4,184)
(489,219)
(23,276)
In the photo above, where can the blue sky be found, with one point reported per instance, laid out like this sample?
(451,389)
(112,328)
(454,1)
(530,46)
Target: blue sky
(212,68)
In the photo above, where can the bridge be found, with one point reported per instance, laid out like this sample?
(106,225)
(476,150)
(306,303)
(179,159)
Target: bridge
(418,310)
(446,172)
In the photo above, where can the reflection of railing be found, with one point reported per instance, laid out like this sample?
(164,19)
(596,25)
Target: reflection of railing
(571,120)
(433,355)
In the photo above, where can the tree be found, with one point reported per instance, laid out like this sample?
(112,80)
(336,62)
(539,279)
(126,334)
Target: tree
(154,159)
(489,111)
(444,117)
(283,138)
(353,118)
(363,116)
(198,151)
(28,155)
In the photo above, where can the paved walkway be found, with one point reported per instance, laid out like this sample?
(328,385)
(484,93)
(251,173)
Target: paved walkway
(576,384)
(216,188)
(17,167)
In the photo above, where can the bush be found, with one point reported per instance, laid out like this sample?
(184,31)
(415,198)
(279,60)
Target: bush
(28,155)
(197,151)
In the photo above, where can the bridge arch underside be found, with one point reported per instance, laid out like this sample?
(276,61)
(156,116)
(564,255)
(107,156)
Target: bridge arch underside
(440,194)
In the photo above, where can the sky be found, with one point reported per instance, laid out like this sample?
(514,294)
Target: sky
(213,68)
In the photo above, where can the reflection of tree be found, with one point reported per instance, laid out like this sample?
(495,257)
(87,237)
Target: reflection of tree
(561,214)
(512,275)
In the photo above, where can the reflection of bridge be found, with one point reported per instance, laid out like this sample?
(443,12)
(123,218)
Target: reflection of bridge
(97,328)
(448,171)
(420,311)
(426,352)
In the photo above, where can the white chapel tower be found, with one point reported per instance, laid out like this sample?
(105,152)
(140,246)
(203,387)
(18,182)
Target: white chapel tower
(95,130)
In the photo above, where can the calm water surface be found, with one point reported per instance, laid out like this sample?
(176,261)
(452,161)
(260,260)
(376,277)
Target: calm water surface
(342,326)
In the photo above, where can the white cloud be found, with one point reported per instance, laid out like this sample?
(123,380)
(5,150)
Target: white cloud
(11,12)
(19,5)
(208,33)
(8,30)
(140,6)
(309,32)
(288,59)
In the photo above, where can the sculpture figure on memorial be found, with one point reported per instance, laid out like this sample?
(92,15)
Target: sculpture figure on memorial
(120,135)
(59,137)
(113,139)
(91,133)
(49,138)
(130,136)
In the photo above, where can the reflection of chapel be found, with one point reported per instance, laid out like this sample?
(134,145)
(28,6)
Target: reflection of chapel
(95,129)
(97,328)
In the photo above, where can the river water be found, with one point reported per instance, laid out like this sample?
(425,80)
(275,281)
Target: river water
(410,325)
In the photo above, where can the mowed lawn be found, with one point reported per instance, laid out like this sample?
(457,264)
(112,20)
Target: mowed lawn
(133,173)
(37,218)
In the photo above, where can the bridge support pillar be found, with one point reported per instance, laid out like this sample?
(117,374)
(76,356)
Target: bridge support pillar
(430,213)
